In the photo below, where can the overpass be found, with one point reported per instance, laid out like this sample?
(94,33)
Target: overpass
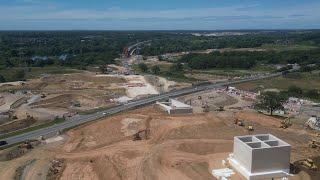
(129,51)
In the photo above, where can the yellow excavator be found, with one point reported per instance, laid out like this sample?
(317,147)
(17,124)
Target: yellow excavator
(138,136)
(314,144)
(309,163)
(286,123)
(250,128)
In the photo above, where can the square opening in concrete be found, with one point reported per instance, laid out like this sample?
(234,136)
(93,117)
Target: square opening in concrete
(272,143)
(275,143)
(246,139)
(256,145)
(263,137)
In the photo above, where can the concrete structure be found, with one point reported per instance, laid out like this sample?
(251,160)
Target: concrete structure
(175,107)
(261,156)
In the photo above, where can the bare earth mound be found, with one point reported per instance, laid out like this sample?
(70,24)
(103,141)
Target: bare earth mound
(179,147)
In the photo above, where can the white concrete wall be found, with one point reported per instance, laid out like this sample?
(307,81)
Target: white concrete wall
(242,153)
(178,104)
(262,153)
(271,159)
(181,111)
(175,107)
(164,107)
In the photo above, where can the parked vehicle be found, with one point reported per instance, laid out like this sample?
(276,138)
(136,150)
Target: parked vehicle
(2,143)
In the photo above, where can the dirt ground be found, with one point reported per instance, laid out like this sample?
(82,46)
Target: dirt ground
(57,94)
(179,147)
(214,100)
(54,95)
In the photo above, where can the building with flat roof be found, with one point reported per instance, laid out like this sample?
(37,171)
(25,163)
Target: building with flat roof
(173,106)
(262,156)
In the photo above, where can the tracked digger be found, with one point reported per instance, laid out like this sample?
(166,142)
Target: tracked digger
(138,136)
(309,163)
(286,123)
(238,122)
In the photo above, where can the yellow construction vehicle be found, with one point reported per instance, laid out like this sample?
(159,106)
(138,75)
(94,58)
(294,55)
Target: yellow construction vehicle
(205,108)
(26,145)
(238,122)
(250,128)
(309,163)
(286,123)
(314,144)
(138,136)
(221,108)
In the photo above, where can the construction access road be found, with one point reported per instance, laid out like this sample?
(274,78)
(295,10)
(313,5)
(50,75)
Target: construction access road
(81,119)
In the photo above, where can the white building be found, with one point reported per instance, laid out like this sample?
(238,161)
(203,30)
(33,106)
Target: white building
(175,107)
(260,157)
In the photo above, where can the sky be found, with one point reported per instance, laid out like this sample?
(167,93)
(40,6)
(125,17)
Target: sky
(158,14)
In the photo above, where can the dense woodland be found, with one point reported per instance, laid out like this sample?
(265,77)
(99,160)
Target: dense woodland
(245,60)
(82,49)
(185,43)
(45,48)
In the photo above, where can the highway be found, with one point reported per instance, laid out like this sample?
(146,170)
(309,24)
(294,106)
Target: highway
(81,119)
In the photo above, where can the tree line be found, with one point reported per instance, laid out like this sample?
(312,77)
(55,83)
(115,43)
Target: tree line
(171,43)
(246,60)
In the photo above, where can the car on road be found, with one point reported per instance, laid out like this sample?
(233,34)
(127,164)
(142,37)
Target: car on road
(2,143)
(105,113)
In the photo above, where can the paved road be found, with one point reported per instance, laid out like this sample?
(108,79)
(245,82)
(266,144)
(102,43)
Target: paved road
(80,119)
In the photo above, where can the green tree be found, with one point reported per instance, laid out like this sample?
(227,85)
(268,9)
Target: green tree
(102,69)
(160,58)
(177,67)
(295,90)
(2,79)
(271,101)
(155,69)
(143,67)
(19,74)
(313,94)
(306,69)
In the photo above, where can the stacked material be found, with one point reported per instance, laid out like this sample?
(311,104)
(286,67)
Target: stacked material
(314,123)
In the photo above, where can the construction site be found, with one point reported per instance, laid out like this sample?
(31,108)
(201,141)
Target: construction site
(212,134)
(40,100)
(149,143)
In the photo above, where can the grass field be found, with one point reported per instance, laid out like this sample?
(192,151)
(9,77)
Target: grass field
(236,72)
(36,71)
(33,72)
(306,81)
(299,47)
